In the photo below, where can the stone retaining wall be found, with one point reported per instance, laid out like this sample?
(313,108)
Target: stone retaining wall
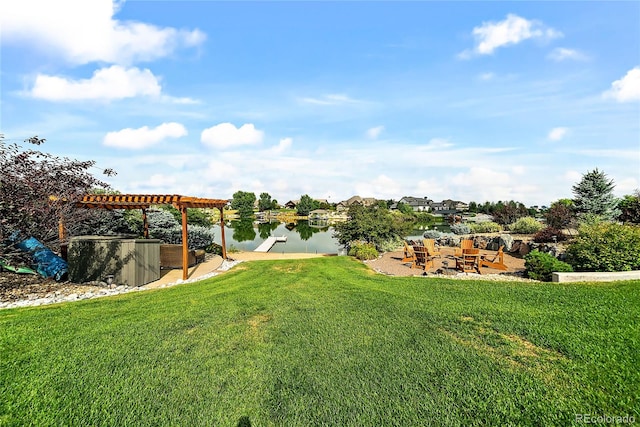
(595,276)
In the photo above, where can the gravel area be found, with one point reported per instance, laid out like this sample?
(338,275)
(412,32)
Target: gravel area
(390,264)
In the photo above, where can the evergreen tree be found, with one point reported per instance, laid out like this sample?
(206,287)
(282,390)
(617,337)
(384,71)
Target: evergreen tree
(306,205)
(594,196)
(265,203)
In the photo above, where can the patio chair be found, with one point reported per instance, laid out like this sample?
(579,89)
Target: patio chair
(430,244)
(409,255)
(422,258)
(464,244)
(496,262)
(469,261)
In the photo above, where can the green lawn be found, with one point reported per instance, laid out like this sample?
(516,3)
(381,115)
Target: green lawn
(326,342)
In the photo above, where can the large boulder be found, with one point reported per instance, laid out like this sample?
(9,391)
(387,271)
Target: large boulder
(505,240)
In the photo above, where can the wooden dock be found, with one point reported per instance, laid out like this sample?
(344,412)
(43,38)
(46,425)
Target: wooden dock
(268,244)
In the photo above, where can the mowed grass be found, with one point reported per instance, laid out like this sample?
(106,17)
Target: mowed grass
(326,342)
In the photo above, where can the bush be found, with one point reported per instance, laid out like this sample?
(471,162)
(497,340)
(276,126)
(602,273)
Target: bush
(526,225)
(163,226)
(391,244)
(363,251)
(539,265)
(549,235)
(485,227)
(460,229)
(432,234)
(605,246)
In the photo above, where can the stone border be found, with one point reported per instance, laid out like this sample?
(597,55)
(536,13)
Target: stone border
(603,276)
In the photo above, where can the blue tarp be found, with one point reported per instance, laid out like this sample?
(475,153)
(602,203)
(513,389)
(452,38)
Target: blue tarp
(47,263)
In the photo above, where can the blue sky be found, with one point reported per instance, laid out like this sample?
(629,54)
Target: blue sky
(472,101)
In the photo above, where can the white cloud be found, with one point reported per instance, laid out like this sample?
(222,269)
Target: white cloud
(438,144)
(381,187)
(513,30)
(627,88)
(82,31)
(331,99)
(486,76)
(226,135)
(557,134)
(561,54)
(375,132)
(220,170)
(144,137)
(110,83)
(283,145)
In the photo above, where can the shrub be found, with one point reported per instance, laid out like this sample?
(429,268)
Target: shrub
(163,226)
(548,235)
(485,227)
(526,225)
(432,234)
(605,246)
(390,244)
(363,251)
(460,229)
(539,265)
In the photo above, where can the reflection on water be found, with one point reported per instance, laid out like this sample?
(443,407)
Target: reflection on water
(302,236)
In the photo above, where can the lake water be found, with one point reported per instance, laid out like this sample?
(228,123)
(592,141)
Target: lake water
(301,237)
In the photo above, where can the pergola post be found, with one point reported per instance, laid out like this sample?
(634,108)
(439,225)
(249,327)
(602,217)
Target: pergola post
(224,244)
(145,224)
(185,244)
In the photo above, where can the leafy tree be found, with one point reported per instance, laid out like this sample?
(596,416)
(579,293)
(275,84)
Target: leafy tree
(630,208)
(243,202)
(594,196)
(265,203)
(306,205)
(38,189)
(195,216)
(561,214)
(372,224)
(473,207)
(509,213)
(405,208)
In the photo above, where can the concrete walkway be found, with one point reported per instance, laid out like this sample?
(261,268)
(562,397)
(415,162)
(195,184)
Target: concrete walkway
(175,275)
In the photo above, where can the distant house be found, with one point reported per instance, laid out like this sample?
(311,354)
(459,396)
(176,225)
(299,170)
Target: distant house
(449,206)
(291,204)
(416,203)
(355,200)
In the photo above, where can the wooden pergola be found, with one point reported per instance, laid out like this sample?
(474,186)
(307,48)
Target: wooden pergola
(143,201)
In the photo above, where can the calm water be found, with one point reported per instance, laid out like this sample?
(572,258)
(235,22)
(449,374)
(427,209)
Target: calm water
(301,237)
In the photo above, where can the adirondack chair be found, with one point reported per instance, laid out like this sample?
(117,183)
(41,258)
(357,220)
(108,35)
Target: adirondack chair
(409,254)
(496,262)
(469,261)
(430,244)
(464,244)
(422,258)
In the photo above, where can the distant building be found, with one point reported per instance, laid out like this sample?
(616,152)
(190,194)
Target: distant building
(417,204)
(355,200)
(424,204)
(292,204)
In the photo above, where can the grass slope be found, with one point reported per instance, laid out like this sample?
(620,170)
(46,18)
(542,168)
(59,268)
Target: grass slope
(325,342)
